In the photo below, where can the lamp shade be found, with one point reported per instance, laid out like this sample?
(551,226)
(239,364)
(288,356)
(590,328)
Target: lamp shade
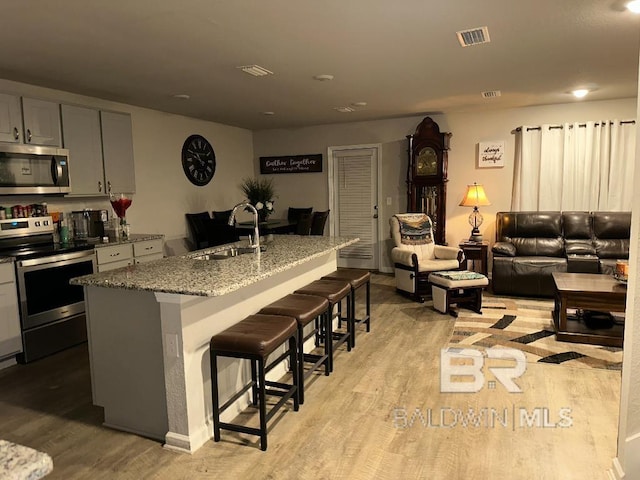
(475,196)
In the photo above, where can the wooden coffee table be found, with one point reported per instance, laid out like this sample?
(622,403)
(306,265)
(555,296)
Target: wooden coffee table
(588,291)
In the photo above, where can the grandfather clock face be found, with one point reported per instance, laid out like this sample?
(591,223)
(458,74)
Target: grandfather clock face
(427,162)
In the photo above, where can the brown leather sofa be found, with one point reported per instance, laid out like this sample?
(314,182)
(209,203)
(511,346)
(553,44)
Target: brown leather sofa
(530,246)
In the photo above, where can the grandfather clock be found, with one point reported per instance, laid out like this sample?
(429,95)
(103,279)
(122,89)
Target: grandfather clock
(427,175)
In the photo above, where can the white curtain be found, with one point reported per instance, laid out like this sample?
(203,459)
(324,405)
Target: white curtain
(587,166)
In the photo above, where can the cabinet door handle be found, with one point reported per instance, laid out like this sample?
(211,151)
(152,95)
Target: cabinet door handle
(109,186)
(29,135)
(114,254)
(16,133)
(99,186)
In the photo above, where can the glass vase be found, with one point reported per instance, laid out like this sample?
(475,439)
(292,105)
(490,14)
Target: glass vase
(120,203)
(123,228)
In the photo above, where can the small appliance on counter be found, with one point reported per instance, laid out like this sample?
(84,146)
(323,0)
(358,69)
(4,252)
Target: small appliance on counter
(89,225)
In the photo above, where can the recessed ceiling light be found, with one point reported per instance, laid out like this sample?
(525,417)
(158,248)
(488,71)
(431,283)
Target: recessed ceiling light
(580,93)
(181,96)
(634,6)
(268,113)
(256,70)
(359,104)
(344,109)
(323,78)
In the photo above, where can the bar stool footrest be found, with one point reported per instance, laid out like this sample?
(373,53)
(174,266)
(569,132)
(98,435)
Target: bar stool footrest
(236,396)
(285,397)
(317,360)
(366,320)
(339,338)
(239,428)
(269,367)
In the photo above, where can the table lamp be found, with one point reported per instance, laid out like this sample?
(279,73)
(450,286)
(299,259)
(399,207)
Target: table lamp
(475,197)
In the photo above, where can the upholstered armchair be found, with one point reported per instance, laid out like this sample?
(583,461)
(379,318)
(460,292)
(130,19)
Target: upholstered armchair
(415,254)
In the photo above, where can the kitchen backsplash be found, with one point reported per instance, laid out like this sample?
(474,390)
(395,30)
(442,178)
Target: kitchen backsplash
(57,203)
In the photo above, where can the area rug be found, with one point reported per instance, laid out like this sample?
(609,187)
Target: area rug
(527,325)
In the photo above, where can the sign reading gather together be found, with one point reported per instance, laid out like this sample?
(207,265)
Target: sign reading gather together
(291,164)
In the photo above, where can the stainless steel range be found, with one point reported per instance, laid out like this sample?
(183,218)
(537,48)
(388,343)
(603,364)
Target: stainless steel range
(51,311)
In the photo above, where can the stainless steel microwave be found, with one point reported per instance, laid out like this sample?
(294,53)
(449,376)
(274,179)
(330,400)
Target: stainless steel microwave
(32,169)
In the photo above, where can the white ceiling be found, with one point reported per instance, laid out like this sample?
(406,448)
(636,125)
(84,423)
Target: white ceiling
(402,57)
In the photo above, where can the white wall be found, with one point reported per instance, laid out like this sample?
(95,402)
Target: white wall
(310,189)
(163,193)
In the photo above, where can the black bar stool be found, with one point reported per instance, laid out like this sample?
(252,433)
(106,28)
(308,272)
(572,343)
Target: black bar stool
(356,278)
(334,291)
(305,309)
(254,339)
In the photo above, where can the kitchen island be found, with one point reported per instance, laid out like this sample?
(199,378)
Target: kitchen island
(149,327)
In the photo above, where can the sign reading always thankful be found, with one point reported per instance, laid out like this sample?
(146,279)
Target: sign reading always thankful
(291,164)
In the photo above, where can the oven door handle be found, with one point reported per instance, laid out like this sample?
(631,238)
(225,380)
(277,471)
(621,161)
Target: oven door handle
(59,260)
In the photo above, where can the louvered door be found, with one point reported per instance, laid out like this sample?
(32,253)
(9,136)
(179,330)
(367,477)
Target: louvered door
(355,195)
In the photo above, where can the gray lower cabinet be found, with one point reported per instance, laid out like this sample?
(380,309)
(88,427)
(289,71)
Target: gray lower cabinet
(123,255)
(100,147)
(112,257)
(10,339)
(148,250)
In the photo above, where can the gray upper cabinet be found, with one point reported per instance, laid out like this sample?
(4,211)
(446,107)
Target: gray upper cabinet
(117,151)
(10,119)
(41,122)
(83,138)
(100,148)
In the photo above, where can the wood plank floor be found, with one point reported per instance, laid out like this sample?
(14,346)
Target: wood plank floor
(368,420)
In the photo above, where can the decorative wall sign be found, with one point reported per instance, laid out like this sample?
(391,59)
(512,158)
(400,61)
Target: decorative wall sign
(490,154)
(292,164)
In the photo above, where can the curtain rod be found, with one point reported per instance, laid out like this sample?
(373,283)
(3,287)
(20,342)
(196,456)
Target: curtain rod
(519,129)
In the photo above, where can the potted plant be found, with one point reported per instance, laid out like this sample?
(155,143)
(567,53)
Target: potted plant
(261,194)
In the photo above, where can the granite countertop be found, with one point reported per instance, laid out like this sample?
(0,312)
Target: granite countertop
(189,276)
(133,238)
(23,463)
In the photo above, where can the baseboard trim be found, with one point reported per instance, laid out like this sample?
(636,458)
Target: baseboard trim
(616,472)
(180,443)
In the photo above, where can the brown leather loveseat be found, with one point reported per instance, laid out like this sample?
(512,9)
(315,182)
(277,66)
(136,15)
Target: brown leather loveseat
(530,246)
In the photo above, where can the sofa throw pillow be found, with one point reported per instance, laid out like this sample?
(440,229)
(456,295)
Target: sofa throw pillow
(415,228)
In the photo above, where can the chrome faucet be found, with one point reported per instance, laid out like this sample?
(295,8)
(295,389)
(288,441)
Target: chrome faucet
(255,243)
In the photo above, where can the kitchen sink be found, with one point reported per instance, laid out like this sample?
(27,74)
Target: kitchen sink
(227,253)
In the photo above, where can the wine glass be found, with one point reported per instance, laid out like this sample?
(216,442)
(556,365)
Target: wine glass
(120,203)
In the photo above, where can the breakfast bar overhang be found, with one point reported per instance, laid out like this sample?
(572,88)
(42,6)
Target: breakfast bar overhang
(149,327)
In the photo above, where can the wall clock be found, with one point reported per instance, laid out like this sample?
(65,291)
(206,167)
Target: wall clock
(198,160)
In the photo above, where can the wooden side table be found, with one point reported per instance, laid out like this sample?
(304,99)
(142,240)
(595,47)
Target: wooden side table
(476,251)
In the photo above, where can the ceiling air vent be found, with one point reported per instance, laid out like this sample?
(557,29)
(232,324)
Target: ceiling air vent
(474,36)
(491,94)
(256,70)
